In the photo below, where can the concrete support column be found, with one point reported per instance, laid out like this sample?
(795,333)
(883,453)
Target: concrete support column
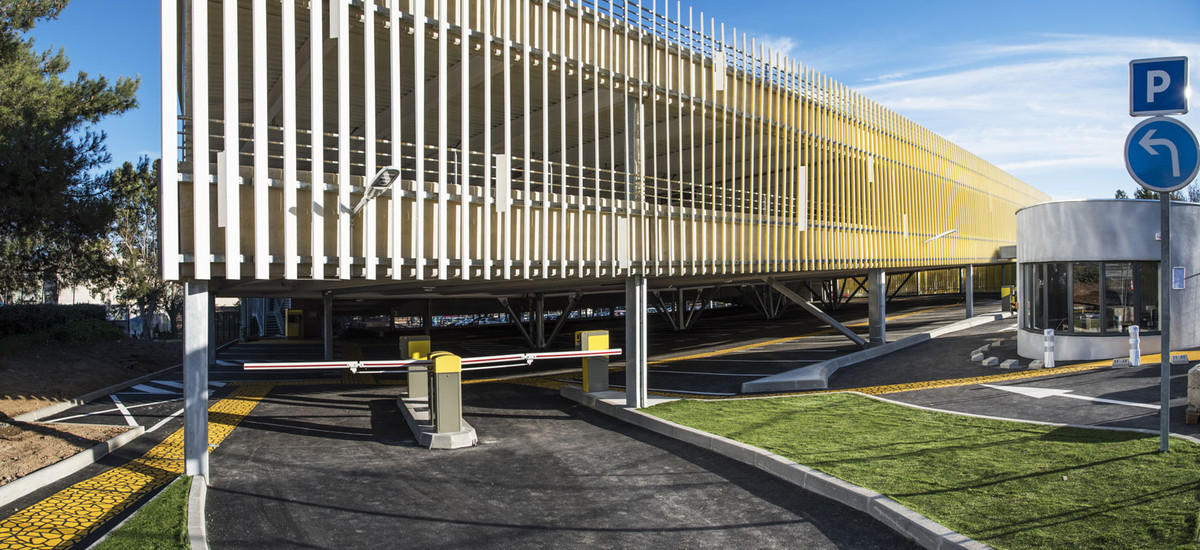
(427,321)
(539,321)
(969,289)
(635,341)
(196,315)
(877,306)
(212,329)
(327,324)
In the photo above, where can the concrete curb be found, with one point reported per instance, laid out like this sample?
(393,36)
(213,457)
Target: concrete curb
(907,523)
(816,376)
(45,476)
(420,422)
(197,496)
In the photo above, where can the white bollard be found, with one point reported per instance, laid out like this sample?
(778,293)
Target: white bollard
(1135,347)
(1048,360)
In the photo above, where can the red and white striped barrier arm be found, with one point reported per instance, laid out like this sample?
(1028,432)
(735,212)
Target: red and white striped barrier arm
(468,363)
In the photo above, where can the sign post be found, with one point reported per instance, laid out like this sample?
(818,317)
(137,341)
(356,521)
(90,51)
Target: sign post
(1163,156)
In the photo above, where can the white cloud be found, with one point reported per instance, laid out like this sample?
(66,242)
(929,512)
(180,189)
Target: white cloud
(777,45)
(1053,111)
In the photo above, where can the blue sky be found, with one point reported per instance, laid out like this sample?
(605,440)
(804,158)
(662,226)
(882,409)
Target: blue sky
(1039,88)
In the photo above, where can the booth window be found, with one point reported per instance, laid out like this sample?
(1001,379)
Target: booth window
(1090,297)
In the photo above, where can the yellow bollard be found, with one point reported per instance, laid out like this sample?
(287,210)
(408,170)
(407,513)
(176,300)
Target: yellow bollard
(416,347)
(595,369)
(446,394)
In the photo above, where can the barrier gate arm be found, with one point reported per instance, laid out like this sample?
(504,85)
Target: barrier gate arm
(405,365)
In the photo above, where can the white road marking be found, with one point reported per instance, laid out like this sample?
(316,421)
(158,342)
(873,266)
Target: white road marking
(710,360)
(1041,393)
(124,412)
(656,371)
(160,423)
(149,389)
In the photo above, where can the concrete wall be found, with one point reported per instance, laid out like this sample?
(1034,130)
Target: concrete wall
(1111,230)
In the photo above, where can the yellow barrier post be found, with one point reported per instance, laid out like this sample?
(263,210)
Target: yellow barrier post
(595,369)
(294,325)
(446,394)
(416,347)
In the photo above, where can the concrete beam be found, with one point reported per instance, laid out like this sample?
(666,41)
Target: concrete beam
(791,295)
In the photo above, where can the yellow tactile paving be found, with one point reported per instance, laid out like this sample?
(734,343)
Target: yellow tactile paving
(69,515)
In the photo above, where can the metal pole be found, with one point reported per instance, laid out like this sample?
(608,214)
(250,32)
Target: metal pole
(327,324)
(877,306)
(195,378)
(635,341)
(969,290)
(1164,304)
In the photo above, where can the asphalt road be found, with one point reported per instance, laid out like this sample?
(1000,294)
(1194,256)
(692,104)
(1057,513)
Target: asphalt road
(334,467)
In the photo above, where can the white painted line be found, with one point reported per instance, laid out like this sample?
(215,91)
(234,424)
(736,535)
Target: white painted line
(106,411)
(149,389)
(754,361)
(160,423)
(656,371)
(124,412)
(1040,393)
(169,383)
(666,390)
(216,384)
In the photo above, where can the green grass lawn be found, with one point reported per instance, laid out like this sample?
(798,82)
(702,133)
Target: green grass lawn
(159,525)
(1008,484)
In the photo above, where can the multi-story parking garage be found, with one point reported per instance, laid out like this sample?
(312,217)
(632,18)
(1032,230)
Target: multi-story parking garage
(400,149)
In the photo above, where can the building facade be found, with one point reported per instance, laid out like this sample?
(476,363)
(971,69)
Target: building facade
(1090,269)
(393,146)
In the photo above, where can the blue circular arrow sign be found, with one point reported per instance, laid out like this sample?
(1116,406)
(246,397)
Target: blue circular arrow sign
(1162,154)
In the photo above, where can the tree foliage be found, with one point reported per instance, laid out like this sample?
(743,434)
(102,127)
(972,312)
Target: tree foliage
(134,240)
(55,213)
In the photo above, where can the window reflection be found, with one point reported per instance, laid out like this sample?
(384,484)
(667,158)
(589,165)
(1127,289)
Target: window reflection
(1091,297)
(1148,296)
(1085,297)
(1118,296)
(1057,306)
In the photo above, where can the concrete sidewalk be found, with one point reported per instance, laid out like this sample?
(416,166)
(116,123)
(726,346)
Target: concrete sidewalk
(333,467)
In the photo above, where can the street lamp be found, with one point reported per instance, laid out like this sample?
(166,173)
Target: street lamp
(382,181)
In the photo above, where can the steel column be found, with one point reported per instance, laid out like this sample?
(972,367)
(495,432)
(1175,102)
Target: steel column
(969,289)
(635,341)
(327,324)
(877,306)
(791,295)
(196,315)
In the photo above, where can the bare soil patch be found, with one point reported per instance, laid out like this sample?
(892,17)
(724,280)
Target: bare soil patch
(37,377)
(28,447)
(34,378)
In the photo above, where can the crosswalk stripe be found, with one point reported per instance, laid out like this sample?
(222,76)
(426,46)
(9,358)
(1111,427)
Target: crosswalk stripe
(150,389)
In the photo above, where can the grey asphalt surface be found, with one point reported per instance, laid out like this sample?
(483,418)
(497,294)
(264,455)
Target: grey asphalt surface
(335,467)
(948,358)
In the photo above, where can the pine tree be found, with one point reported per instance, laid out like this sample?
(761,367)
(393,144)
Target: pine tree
(55,213)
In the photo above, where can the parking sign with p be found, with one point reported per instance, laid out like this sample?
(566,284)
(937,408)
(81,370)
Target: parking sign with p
(1158,86)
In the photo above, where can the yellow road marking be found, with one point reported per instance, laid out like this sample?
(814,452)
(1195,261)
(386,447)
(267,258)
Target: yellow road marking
(65,518)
